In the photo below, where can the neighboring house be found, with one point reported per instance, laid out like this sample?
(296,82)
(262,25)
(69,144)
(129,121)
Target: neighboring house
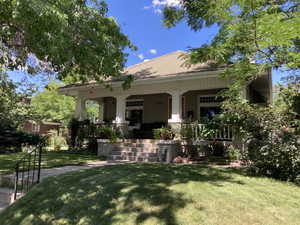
(42,128)
(164,92)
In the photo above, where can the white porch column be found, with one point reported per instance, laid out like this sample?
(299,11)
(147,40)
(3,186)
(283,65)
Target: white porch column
(80,111)
(120,120)
(176,107)
(120,109)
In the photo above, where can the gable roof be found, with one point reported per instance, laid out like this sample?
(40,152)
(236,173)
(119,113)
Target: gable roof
(166,65)
(171,64)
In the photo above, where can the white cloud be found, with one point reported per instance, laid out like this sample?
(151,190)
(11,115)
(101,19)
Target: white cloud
(153,51)
(141,56)
(158,11)
(157,5)
(174,3)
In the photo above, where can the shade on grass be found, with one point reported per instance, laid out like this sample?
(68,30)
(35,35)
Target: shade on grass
(49,160)
(157,194)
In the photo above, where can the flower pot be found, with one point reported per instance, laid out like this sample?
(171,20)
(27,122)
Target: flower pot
(168,150)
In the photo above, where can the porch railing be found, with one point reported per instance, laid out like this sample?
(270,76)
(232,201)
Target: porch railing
(201,131)
(28,171)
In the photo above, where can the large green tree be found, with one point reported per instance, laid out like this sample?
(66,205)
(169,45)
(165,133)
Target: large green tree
(263,31)
(52,106)
(49,105)
(70,37)
(14,103)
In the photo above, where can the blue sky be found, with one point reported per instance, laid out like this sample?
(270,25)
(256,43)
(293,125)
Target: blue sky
(140,20)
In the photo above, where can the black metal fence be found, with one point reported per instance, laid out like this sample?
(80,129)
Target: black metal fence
(28,171)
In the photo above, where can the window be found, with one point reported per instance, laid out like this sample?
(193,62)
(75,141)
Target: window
(210,99)
(135,111)
(209,107)
(131,103)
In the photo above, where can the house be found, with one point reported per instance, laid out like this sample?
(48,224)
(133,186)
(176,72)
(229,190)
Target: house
(42,127)
(164,91)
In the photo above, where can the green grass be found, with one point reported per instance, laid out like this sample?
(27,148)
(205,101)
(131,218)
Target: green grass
(157,194)
(49,160)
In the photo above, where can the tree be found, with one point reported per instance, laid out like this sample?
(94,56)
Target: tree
(14,107)
(70,37)
(52,106)
(263,31)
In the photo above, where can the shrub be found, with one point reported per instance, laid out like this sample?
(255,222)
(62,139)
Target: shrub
(277,156)
(232,153)
(217,148)
(92,146)
(163,134)
(74,126)
(270,137)
(110,133)
(12,139)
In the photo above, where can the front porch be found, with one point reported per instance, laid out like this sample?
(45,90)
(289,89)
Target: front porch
(138,115)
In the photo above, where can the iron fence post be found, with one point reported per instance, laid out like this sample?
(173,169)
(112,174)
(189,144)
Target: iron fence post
(39,167)
(16,182)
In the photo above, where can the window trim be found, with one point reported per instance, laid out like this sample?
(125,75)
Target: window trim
(206,104)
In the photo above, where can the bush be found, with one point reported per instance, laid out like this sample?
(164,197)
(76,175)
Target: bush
(277,157)
(163,134)
(217,148)
(57,142)
(12,139)
(232,153)
(110,133)
(92,146)
(73,126)
(270,136)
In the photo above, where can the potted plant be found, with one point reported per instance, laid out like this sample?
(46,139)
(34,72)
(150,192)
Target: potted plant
(168,147)
(107,136)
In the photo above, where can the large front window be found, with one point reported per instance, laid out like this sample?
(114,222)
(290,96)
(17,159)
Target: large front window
(135,112)
(209,107)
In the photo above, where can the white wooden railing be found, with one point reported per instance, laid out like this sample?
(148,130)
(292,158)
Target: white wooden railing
(200,131)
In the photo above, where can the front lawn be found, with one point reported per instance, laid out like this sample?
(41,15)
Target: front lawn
(49,160)
(157,194)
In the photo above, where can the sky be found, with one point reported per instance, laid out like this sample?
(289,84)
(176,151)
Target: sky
(141,21)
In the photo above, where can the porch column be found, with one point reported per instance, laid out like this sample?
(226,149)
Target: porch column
(120,120)
(175,121)
(80,110)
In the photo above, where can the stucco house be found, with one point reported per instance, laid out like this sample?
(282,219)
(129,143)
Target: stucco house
(164,92)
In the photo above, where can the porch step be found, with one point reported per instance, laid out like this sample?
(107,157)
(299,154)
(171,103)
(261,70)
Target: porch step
(135,149)
(132,158)
(134,154)
(140,150)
